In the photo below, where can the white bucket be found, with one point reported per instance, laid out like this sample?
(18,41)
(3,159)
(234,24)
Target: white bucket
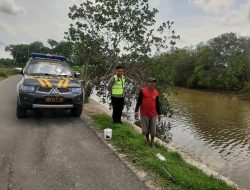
(107,134)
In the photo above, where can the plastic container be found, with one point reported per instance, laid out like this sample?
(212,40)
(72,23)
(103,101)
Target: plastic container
(107,134)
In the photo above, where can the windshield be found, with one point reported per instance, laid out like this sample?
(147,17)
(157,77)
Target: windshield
(48,67)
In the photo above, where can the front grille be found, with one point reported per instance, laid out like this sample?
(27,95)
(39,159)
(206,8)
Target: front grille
(63,90)
(44,90)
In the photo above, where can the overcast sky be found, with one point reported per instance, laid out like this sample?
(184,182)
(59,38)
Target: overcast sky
(25,21)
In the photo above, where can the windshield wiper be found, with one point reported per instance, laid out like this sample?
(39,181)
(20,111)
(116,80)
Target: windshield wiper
(64,75)
(46,74)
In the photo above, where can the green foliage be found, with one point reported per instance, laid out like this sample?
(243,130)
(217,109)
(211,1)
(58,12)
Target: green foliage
(6,72)
(6,62)
(52,43)
(221,63)
(227,46)
(130,143)
(21,52)
(235,76)
(63,48)
(247,86)
(108,32)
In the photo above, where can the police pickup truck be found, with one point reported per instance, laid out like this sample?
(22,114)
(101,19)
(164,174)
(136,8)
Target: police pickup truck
(47,82)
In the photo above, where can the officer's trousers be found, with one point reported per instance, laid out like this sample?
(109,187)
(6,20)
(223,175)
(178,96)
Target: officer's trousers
(117,104)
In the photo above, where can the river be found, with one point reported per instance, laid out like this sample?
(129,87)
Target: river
(215,128)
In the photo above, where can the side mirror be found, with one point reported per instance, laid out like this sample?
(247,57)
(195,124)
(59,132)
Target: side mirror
(77,74)
(19,70)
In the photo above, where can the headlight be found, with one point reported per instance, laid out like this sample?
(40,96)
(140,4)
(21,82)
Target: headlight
(28,89)
(76,90)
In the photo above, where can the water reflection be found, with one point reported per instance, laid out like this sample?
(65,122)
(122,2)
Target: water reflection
(216,128)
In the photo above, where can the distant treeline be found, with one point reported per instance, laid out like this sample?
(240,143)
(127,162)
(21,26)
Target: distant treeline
(21,52)
(220,63)
(6,62)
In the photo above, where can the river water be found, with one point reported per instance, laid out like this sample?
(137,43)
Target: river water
(215,128)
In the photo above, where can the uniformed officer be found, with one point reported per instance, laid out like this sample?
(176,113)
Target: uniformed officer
(116,87)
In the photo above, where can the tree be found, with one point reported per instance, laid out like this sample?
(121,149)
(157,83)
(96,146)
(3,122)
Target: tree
(111,32)
(6,62)
(108,32)
(220,63)
(236,74)
(63,48)
(228,52)
(205,72)
(20,52)
(52,43)
(227,45)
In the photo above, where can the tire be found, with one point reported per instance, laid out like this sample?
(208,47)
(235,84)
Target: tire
(21,112)
(76,112)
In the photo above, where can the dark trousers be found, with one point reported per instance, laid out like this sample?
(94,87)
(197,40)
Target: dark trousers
(118,104)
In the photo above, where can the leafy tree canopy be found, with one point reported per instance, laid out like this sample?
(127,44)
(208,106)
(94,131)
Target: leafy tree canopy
(112,31)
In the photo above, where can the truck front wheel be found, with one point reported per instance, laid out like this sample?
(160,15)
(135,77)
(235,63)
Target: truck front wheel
(76,112)
(21,112)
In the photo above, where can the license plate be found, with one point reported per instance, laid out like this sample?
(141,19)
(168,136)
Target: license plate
(54,99)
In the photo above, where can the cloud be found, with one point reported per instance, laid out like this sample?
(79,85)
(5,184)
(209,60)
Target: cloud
(233,18)
(214,6)
(155,3)
(248,11)
(208,31)
(7,29)
(10,7)
(227,12)
(238,16)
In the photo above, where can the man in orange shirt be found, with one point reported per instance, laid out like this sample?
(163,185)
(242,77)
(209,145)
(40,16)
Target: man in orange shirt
(149,104)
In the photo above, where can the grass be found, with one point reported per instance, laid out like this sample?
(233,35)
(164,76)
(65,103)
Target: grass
(6,72)
(132,144)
